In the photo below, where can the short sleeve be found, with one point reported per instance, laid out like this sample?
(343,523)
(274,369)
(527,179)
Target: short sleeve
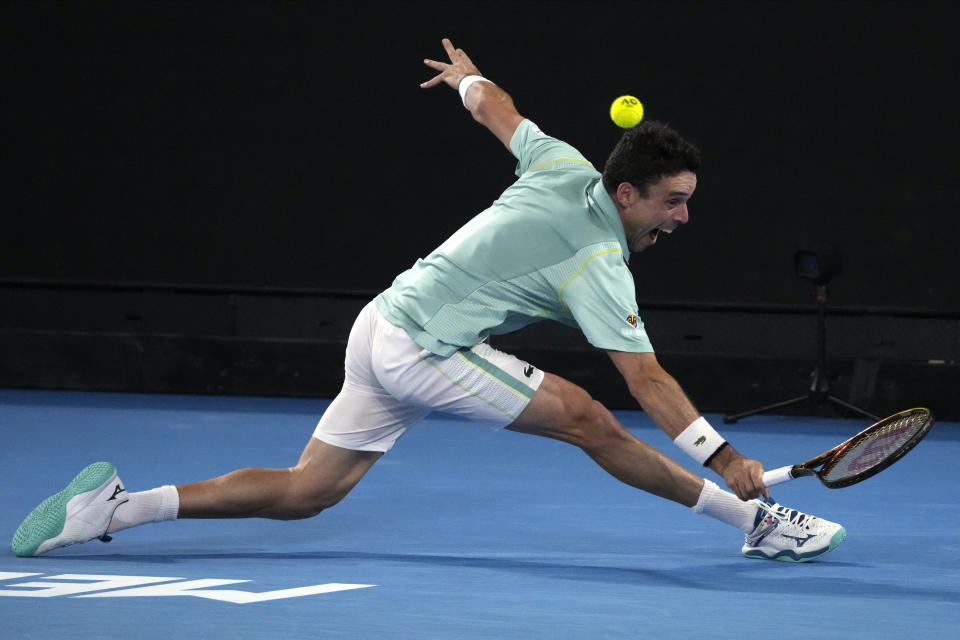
(536,150)
(602,300)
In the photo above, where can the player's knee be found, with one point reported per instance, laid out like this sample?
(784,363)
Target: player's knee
(602,427)
(304,500)
(592,424)
(309,504)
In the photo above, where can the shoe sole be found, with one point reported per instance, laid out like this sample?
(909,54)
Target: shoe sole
(791,556)
(48,519)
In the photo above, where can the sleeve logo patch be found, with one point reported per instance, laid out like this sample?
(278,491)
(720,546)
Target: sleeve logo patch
(632,320)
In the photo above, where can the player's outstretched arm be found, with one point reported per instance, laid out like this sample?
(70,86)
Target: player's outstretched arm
(664,401)
(489,105)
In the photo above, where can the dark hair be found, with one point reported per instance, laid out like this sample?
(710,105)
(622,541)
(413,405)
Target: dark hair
(645,154)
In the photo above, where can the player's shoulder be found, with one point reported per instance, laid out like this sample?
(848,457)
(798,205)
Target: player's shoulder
(529,133)
(535,149)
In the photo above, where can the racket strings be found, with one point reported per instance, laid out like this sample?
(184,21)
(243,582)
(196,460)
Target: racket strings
(874,449)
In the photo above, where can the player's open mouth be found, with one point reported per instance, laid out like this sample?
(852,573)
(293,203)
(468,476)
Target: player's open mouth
(655,233)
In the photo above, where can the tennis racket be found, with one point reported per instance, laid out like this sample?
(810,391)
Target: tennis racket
(864,455)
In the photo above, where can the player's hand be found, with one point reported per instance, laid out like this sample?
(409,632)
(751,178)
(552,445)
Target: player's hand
(460,66)
(742,475)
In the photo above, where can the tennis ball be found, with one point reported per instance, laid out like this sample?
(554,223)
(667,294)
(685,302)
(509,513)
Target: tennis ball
(626,112)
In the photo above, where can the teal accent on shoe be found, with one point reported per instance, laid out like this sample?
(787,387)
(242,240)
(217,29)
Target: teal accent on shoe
(791,556)
(837,538)
(48,519)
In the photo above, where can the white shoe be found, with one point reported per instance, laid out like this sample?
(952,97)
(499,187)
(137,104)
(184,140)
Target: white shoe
(788,535)
(79,513)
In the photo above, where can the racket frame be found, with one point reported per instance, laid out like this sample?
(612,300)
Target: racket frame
(828,459)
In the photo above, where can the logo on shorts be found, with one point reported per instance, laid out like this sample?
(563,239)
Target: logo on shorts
(632,320)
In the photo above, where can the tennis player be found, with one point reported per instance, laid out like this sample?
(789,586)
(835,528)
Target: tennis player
(555,245)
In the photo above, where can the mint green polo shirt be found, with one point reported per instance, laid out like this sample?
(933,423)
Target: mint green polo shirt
(552,247)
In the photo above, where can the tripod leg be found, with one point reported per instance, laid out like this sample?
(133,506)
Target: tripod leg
(854,408)
(729,419)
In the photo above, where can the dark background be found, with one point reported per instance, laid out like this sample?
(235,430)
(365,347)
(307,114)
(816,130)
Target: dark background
(234,179)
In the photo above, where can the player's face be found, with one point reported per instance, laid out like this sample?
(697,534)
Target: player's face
(661,211)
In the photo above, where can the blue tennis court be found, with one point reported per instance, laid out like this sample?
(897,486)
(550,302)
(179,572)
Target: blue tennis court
(459,532)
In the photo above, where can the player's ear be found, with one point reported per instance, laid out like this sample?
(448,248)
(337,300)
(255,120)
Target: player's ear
(626,194)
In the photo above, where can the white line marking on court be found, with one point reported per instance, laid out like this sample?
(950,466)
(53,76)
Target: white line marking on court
(82,585)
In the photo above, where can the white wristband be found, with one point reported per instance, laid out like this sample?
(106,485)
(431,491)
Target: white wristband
(465,84)
(700,441)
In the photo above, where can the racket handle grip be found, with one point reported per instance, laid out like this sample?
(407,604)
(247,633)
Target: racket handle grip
(777,476)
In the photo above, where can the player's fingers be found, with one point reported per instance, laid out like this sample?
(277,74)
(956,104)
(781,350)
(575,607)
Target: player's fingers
(740,490)
(459,57)
(757,487)
(748,489)
(448,47)
(435,64)
(432,82)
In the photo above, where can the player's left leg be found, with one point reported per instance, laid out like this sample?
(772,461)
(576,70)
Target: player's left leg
(324,475)
(95,503)
(80,512)
(356,429)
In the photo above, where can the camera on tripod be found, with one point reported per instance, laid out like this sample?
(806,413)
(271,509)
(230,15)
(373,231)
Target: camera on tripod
(819,266)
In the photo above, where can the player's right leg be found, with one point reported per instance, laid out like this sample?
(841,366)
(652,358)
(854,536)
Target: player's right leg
(562,410)
(788,535)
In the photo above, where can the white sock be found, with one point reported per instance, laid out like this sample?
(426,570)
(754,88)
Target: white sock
(726,507)
(154,505)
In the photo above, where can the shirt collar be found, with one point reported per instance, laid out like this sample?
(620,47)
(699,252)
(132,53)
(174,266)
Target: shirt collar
(600,201)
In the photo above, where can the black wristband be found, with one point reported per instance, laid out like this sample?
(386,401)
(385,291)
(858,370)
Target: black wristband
(713,455)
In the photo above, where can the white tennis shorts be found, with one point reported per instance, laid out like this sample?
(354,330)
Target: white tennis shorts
(392,382)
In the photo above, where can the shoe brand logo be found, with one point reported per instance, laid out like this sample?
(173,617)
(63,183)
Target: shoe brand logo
(528,371)
(801,541)
(119,489)
(769,524)
(80,585)
(699,441)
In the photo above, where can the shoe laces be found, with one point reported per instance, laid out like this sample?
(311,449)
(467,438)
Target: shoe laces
(785,514)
